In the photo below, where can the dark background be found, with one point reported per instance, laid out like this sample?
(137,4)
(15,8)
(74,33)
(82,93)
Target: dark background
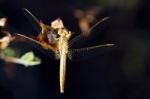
(121,73)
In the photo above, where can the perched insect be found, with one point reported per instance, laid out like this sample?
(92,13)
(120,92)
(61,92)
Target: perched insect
(54,41)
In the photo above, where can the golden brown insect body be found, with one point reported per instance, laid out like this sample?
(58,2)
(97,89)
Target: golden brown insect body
(58,42)
(59,45)
(63,50)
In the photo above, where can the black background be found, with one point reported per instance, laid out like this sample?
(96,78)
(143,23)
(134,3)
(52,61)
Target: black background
(122,73)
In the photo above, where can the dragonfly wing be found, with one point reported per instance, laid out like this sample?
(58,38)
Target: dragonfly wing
(78,41)
(32,19)
(81,39)
(37,45)
(89,52)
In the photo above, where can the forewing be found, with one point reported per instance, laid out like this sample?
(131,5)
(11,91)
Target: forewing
(81,39)
(78,41)
(37,45)
(89,52)
(32,19)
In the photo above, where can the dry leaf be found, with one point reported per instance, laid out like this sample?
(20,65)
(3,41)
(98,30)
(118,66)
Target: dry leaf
(57,24)
(3,22)
(5,39)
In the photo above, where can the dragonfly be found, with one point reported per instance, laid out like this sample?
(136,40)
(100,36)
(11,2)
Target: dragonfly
(55,41)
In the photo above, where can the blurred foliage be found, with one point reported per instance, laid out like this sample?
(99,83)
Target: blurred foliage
(30,59)
(11,52)
(12,55)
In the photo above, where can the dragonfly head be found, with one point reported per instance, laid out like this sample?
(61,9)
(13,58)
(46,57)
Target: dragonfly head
(64,33)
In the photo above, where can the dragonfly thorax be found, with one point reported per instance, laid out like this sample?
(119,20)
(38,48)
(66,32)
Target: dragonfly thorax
(64,33)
